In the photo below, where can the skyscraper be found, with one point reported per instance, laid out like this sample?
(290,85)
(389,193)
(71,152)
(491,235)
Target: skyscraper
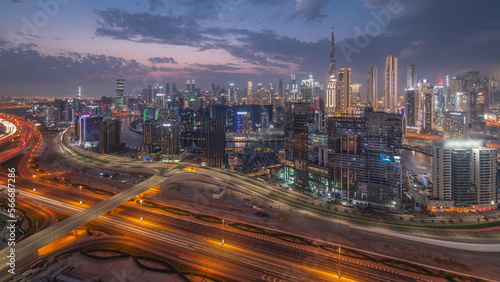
(410,107)
(331,88)
(411,76)
(391,83)
(365,158)
(428,103)
(216,143)
(249,93)
(344,99)
(333,63)
(120,86)
(110,136)
(294,91)
(372,86)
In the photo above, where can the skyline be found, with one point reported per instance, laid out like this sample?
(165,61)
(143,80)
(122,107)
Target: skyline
(234,41)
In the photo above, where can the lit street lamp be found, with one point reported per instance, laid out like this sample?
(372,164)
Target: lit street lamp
(141,208)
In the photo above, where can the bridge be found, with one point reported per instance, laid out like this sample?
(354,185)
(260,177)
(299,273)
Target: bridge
(30,246)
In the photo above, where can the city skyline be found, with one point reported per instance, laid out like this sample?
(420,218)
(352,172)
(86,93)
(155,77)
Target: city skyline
(233,41)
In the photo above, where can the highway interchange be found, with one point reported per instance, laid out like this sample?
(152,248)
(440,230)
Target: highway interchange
(242,257)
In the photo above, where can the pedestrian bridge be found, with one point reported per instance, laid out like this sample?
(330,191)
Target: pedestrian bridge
(30,246)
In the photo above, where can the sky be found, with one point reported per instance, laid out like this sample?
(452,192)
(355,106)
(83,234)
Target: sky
(52,47)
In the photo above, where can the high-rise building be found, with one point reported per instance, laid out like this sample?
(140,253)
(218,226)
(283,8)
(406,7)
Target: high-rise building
(391,83)
(456,125)
(465,173)
(411,76)
(294,91)
(188,86)
(149,96)
(365,159)
(216,143)
(170,141)
(120,86)
(110,136)
(307,90)
(411,107)
(331,88)
(88,130)
(232,94)
(355,94)
(372,86)
(333,62)
(344,97)
(428,103)
(249,93)
(167,88)
(151,136)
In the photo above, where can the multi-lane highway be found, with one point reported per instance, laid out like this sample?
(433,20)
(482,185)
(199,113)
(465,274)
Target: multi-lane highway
(308,262)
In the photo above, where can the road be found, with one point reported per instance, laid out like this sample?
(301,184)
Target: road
(253,187)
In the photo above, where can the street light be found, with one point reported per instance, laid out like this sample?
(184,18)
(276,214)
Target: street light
(222,232)
(339,262)
(141,208)
(80,195)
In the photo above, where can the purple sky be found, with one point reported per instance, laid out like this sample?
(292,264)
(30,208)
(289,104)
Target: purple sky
(50,47)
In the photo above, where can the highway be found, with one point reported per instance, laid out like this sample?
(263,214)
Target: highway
(286,261)
(206,174)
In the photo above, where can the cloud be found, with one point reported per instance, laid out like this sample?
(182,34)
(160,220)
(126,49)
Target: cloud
(310,10)
(161,60)
(18,2)
(24,62)
(263,48)
(155,4)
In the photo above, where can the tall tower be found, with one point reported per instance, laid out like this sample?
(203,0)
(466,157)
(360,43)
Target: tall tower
(391,83)
(372,86)
(411,76)
(249,93)
(120,86)
(295,90)
(333,62)
(331,88)
(344,99)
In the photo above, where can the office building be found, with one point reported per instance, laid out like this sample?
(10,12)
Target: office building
(88,130)
(215,133)
(411,107)
(391,83)
(372,87)
(428,113)
(365,158)
(120,88)
(151,136)
(411,76)
(344,96)
(110,136)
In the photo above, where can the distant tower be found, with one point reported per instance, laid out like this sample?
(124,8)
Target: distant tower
(188,86)
(331,88)
(333,63)
(120,86)
(294,91)
(280,87)
(193,85)
(391,83)
(372,86)
(249,93)
(411,76)
(79,92)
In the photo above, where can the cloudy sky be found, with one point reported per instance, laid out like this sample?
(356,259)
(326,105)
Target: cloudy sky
(50,47)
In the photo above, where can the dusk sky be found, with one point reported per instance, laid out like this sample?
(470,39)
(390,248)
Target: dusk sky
(50,50)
